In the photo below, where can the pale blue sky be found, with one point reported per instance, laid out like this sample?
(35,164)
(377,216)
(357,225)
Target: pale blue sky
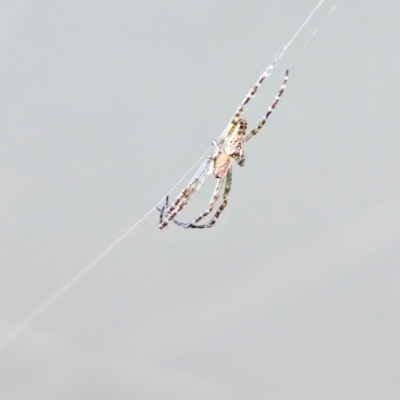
(292,295)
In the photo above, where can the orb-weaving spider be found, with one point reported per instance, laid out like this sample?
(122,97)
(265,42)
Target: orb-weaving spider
(228,148)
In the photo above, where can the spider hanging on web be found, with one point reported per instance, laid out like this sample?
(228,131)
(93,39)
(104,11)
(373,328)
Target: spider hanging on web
(228,148)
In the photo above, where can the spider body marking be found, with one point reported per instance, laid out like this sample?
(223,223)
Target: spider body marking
(228,149)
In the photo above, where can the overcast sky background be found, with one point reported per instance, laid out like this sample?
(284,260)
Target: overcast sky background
(294,294)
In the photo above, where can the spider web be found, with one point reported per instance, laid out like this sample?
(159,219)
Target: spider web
(24,324)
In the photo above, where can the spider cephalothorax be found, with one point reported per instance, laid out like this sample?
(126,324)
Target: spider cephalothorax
(228,148)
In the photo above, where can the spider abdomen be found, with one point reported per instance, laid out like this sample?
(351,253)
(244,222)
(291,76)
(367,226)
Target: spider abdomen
(222,163)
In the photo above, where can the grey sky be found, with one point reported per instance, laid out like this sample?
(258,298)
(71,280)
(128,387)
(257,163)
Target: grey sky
(294,294)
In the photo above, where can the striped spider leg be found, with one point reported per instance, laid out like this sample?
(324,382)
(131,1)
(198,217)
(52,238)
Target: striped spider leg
(228,148)
(223,182)
(184,196)
(270,109)
(227,182)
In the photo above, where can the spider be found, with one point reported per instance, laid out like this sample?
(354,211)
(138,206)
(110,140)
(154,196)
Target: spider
(227,149)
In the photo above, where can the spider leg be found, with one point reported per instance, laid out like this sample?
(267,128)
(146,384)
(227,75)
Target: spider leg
(251,94)
(213,201)
(176,206)
(186,194)
(228,185)
(161,210)
(270,109)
